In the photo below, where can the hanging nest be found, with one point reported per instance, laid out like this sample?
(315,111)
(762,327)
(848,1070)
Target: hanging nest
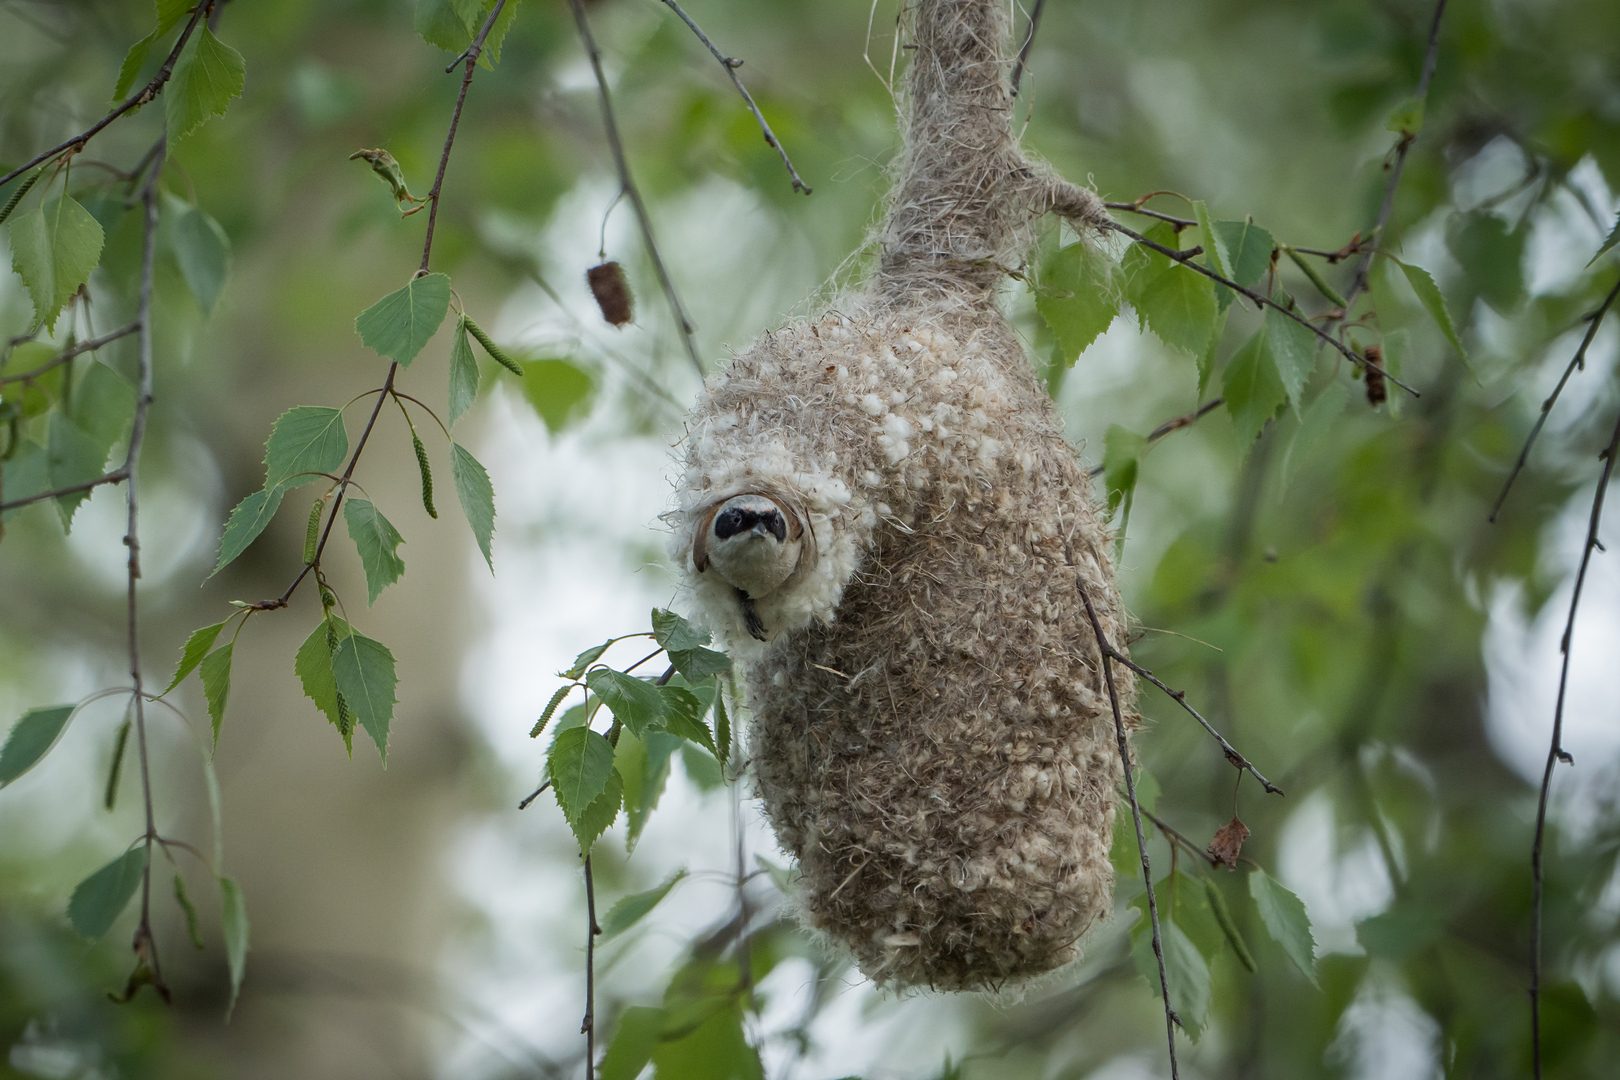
(881,517)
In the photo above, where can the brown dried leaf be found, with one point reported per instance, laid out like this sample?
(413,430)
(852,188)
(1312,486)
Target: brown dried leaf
(612,292)
(1228,842)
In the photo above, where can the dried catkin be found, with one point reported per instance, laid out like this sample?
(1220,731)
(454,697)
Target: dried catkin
(931,733)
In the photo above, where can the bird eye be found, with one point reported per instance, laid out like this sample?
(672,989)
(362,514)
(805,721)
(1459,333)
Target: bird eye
(732,521)
(773,521)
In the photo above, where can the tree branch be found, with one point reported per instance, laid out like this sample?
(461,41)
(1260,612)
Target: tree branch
(68,354)
(1556,751)
(1176,425)
(1029,40)
(731,64)
(116,476)
(587,1026)
(611,124)
(1578,361)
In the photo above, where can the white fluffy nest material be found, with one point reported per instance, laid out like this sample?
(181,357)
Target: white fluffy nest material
(931,733)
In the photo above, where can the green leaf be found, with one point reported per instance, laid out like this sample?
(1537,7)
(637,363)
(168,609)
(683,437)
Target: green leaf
(398,325)
(1206,237)
(600,814)
(1245,248)
(714,1048)
(632,909)
(1254,393)
(1223,916)
(313,666)
(722,725)
(635,703)
(683,716)
(440,22)
(196,647)
(1401,932)
(1184,969)
(1314,423)
(1122,448)
(1428,293)
(26,475)
(376,540)
(235,922)
(1284,917)
(364,670)
(72,456)
(304,442)
(53,249)
(632,1046)
(643,764)
(1077,298)
(31,738)
(203,252)
(701,767)
(477,497)
(463,373)
(585,660)
(1293,350)
(497,34)
(557,390)
(208,74)
(1178,305)
(193,923)
(103,405)
(581,767)
(246,522)
(674,633)
(1406,118)
(695,665)
(130,69)
(99,899)
(1491,254)
(216,680)
(1609,242)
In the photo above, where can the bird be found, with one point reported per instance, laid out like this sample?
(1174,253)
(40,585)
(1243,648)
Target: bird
(754,541)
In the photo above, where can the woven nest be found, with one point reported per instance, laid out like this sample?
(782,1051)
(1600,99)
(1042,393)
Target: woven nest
(931,732)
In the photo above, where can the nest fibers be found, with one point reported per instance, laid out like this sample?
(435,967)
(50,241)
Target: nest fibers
(932,735)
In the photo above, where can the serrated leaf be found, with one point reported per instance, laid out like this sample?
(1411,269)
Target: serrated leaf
(313,666)
(695,665)
(581,767)
(1609,242)
(701,767)
(203,252)
(376,540)
(1178,305)
(1293,350)
(557,390)
(683,716)
(673,632)
(1077,298)
(246,522)
(635,703)
(364,671)
(53,249)
(1213,251)
(1428,293)
(304,443)
(1122,449)
(235,923)
(26,475)
(398,325)
(1206,359)
(1223,916)
(30,739)
(216,680)
(130,69)
(208,74)
(72,456)
(463,373)
(1185,970)
(585,660)
(99,899)
(600,814)
(1246,249)
(1314,423)
(632,909)
(103,405)
(1285,920)
(497,34)
(632,1046)
(477,496)
(1254,393)
(193,923)
(643,764)
(440,23)
(722,725)
(196,647)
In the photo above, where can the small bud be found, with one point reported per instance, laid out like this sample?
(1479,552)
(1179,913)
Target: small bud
(612,292)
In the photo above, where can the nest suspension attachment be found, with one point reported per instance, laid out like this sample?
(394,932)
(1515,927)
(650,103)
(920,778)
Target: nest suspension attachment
(880,515)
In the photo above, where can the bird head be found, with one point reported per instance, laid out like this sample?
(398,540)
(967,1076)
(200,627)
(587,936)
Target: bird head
(752,540)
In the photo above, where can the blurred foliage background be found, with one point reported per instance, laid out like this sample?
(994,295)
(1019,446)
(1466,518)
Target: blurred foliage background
(1331,594)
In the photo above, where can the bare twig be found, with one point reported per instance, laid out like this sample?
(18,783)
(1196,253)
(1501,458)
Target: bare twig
(1595,319)
(1181,840)
(145,95)
(1176,425)
(472,54)
(1107,653)
(731,64)
(1138,208)
(69,353)
(1556,751)
(533,795)
(587,1026)
(1029,40)
(116,476)
(616,145)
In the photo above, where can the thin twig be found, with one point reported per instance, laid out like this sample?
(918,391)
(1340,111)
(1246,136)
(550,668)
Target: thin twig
(1137,208)
(533,795)
(471,54)
(587,1026)
(69,353)
(145,944)
(1029,40)
(116,476)
(1107,653)
(616,145)
(1595,319)
(1403,146)
(1556,751)
(731,64)
(145,95)
(1181,839)
(1176,425)
(1185,258)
